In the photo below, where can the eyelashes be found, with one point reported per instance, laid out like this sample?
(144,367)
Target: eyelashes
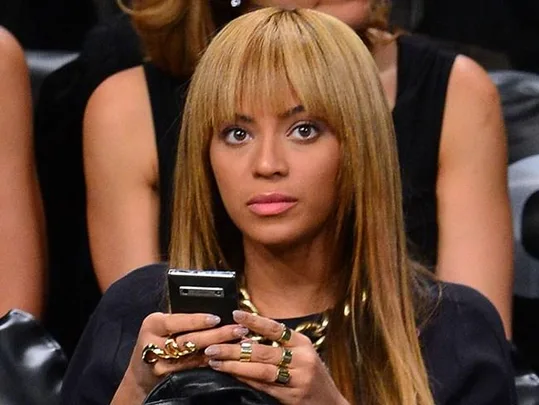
(303,131)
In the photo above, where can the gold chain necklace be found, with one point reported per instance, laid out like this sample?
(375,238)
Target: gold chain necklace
(315,330)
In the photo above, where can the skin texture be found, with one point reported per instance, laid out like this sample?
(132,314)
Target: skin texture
(22,252)
(258,154)
(474,217)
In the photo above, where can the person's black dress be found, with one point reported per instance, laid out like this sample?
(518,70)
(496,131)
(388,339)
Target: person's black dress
(463,344)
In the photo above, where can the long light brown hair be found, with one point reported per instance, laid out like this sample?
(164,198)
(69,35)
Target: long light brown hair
(174,33)
(373,354)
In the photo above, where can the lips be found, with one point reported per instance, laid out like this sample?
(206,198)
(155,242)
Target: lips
(271,204)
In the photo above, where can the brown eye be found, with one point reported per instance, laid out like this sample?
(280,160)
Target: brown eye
(235,136)
(305,131)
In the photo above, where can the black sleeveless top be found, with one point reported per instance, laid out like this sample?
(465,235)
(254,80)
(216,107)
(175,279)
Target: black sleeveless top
(423,75)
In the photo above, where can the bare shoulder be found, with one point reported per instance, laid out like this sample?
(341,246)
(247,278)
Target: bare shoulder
(469,81)
(12,59)
(472,109)
(8,43)
(118,124)
(122,93)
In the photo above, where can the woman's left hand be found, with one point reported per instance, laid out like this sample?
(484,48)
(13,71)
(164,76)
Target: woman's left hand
(304,379)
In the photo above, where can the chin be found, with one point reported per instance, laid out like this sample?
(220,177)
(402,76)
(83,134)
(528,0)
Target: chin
(280,237)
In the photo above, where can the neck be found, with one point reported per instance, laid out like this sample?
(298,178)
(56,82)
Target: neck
(292,282)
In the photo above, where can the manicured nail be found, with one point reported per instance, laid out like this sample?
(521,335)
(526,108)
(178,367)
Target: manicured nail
(214,363)
(239,315)
(211,351)
(212,320)
(241,332)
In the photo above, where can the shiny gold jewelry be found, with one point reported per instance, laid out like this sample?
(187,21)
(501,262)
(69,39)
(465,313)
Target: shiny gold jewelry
(286,358)
(246,351)
(151,353)
(172,348)
(187,349)
(314,330)
(283,376)
(285,336)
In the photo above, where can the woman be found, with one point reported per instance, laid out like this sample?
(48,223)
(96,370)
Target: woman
(449,136)
(22,252)
(252,150)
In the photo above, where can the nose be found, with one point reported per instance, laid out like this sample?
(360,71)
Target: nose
(270,160)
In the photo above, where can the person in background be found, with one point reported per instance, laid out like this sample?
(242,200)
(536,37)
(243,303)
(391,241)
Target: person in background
(450,139)
(252,149)
(22,244)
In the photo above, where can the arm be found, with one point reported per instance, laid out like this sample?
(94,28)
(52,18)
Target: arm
(121,171)
(475,235)
(22,240)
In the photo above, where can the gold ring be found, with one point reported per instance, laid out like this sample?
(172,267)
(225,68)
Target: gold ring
(173,350)
(171,347)
(283,376)
(285,336)
(286,358)
(152,353)
(246,351)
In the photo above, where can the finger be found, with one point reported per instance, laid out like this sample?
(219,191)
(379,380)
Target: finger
(205,338)
(265,373)
(180,358)
(259,353)
(165,367)
(269,328)
(163,324)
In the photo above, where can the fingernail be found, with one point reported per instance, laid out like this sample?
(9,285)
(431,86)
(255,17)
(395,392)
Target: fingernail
(239,315)
(211,351)
(241,332)
(213,320)
(214,363)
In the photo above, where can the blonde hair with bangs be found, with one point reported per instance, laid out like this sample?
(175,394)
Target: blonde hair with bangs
(174,33)
(373,354)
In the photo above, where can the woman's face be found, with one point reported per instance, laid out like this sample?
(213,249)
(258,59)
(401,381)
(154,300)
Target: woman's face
(352,12)
(277,174)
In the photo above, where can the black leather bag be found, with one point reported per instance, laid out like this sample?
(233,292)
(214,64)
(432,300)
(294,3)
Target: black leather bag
(526,380)
(32,363)
(204,386)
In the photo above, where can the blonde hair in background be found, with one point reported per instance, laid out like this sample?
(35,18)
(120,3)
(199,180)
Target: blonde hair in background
(374,354)
(174,33)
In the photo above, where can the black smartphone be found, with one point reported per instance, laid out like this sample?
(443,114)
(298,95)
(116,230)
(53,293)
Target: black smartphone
(203,291)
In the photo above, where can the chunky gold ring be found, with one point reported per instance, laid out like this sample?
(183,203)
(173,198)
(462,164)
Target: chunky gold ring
(286,358)
(246,351)
(152,353)
(285,336)
(283,376)
(171,347)
(173,350)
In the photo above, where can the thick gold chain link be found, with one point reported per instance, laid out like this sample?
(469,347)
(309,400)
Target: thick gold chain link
(315,330)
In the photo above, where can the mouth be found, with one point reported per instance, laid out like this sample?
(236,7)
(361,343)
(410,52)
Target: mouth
(271,204)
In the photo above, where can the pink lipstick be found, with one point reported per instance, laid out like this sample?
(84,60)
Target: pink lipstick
(271,204)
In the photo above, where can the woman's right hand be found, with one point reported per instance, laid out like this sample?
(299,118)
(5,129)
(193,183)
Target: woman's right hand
(140,377)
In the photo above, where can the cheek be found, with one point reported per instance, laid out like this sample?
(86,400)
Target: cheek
(323,177)
(226,176)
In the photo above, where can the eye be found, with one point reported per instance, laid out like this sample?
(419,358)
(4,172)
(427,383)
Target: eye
(305,131)
(235,136)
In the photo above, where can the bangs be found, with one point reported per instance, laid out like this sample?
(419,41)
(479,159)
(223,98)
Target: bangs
(268,68)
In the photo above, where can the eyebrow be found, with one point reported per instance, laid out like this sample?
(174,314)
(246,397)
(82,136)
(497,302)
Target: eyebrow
(287,114)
